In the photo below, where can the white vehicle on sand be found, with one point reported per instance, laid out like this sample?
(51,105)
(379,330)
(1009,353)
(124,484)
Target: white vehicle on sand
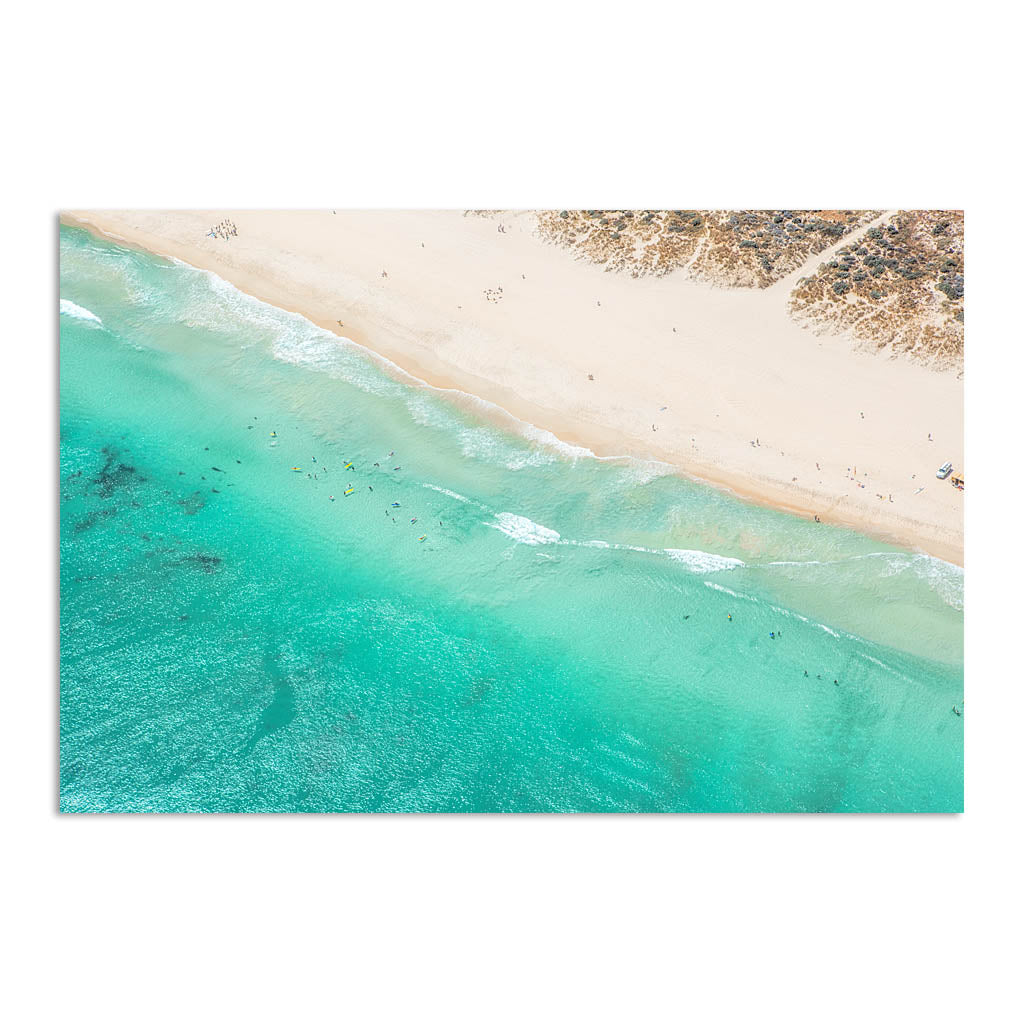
(944,470)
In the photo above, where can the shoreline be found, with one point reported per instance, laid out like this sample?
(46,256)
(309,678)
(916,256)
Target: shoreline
(392,330)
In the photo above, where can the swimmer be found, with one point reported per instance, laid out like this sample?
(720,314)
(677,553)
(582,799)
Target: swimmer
(772,635)
(331,496)
(836,681)
(955,712)
(730,618)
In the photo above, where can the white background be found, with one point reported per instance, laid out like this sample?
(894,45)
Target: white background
(708,918)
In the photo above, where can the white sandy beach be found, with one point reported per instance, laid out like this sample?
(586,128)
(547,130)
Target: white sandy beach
(683,372)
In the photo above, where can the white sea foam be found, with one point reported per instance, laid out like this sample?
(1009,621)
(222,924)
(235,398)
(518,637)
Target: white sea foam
(945,578)
(523,530)
(444,490)
(703,561)
(786,612)
(548,440)
(731,593)
(887,668)
(486,444)
(69,308)
(640,471)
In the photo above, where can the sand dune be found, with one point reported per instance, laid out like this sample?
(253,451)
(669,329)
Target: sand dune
(718,381)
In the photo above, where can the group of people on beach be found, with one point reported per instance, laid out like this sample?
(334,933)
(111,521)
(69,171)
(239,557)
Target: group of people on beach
(225,229)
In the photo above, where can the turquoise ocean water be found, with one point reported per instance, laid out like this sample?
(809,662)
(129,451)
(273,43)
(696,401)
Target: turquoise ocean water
(552,633)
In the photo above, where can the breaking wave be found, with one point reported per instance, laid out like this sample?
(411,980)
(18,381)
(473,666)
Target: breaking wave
(69,308)
(525,531)
(703,561)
